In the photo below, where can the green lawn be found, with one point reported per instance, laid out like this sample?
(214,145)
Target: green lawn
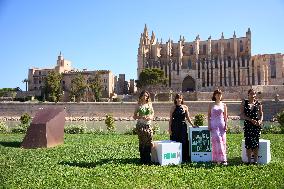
(111,161)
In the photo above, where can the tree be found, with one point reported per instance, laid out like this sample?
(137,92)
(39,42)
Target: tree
(26,81)
(95,85)
(151,78)
(78,87)
(52,87)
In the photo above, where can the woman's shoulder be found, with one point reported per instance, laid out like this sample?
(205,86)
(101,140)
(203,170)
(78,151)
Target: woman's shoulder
(258,102)
(185,107)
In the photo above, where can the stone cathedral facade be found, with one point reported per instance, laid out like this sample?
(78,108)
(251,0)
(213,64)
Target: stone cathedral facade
(204,65)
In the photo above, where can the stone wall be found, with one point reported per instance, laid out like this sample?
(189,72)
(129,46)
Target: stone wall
(126,109)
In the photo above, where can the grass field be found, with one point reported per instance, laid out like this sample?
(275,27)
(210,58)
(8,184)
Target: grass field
(111,161)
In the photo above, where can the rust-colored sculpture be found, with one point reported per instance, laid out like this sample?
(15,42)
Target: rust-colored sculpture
(46,129)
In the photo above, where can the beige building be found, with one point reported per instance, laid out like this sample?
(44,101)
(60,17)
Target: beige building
(106,79)
(36,78)
(205,65)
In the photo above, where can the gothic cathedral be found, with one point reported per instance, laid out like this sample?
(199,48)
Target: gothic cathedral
(199,65)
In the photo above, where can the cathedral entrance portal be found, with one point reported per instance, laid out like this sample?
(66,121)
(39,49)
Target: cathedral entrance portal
(188,84)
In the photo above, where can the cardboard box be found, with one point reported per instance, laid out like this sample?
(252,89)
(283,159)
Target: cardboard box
(264,155)
(166,152)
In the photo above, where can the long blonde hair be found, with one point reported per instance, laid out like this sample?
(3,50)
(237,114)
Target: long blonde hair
(148,100)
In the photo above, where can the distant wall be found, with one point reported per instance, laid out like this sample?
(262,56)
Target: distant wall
(126,109)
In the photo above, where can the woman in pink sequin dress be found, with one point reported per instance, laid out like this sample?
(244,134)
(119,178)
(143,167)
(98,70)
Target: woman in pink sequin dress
(217,124)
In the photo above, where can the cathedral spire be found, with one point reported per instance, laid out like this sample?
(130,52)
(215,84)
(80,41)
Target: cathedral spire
(153,38)
(197,37)
(145,31)
(222,36)
(234,34)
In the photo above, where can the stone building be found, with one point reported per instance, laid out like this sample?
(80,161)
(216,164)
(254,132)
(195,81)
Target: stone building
(106,80)
(204,65)
(36,77)
(121,85)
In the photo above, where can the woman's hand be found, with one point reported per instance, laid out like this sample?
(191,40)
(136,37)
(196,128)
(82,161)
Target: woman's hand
(226,128)
(253,121)
(147,118)
(259,123)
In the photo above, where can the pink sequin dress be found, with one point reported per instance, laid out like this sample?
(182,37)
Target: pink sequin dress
(218,134)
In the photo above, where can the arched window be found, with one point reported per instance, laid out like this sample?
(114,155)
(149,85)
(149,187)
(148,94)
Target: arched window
(191,50)
(216,47)
(272,68)
(241,46)
(204,49)
(189,64)
(243,62)
(216,62)
(229,61)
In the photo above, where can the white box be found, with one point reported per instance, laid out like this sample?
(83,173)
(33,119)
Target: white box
(166,152)
(200,144)
(264,155)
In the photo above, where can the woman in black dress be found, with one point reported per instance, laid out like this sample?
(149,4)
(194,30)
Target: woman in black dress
(251,112)
(178,126)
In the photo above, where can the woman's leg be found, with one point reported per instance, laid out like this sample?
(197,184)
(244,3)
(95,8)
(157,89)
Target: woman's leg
(255,155)
(248,152)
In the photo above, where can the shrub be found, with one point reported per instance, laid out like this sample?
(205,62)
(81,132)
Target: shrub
(110,123)
(3,127)
(271,129)
(21,128)
(199,119)
(280,119)
(26,118)
(75,129)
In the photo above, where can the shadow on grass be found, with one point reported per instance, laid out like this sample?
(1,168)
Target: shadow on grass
(11,144)
(235,161)
(101,162)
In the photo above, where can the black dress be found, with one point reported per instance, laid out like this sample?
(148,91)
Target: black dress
(251,131)
(179,131)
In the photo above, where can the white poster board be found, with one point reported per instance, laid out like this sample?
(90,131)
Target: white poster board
(200,144)
(166,152)
(264,155)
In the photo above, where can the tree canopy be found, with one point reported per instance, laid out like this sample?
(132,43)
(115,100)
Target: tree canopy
(151,77)
(94,83)
(78,86)
(53,88)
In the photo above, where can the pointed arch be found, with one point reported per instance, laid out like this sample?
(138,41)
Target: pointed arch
(188,84)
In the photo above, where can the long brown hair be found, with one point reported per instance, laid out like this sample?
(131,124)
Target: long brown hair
(217,91)
(148,99)
(177,97)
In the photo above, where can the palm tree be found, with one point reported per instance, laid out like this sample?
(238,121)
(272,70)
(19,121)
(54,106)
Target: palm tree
(26,81)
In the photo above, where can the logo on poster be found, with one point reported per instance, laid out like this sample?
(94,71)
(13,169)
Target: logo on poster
(171,155)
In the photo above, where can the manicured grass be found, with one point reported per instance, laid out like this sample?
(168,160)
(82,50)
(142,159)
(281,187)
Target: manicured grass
(111,161)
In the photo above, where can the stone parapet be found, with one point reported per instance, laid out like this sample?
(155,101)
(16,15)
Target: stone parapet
(96,110)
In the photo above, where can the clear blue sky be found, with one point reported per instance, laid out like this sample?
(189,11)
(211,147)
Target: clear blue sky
(105,34)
